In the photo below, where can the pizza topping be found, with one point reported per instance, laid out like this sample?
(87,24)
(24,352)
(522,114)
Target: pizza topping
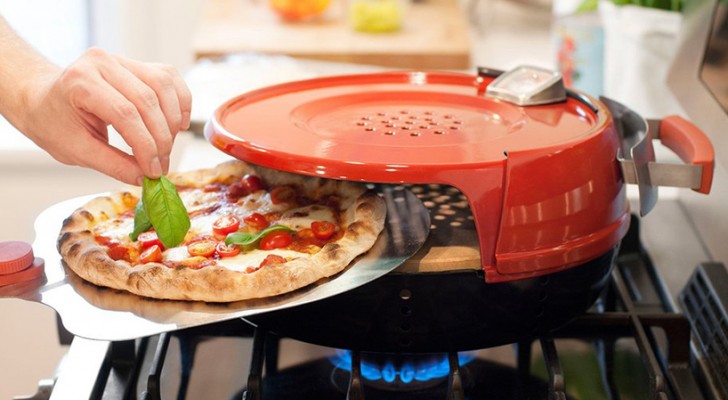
(232,225)
(165,211)
(248,239)
(225,225)
(282,194)
(224,250)
(256,221)
(276,240)
(272,259)
(119,252)
(323,229)
(149,239)
(252,183)
(202,248)
(141,222)
(151,254)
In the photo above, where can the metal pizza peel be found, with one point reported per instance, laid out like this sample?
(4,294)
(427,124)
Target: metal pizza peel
(100,313)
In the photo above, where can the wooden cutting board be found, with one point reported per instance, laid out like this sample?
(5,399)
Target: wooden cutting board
(435,35)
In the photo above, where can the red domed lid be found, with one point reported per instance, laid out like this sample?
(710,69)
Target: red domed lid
(388,127)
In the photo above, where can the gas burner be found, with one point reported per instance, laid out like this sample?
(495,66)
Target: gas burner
(398,372)
(481,380)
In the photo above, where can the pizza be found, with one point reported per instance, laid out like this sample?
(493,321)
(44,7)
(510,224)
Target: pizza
(295,230)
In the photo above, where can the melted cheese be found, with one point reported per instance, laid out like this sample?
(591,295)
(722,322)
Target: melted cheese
(300,218)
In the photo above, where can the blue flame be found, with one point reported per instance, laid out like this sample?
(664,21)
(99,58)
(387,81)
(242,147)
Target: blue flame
(431,368)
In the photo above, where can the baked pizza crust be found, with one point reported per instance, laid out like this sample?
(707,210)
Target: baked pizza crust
(363,218)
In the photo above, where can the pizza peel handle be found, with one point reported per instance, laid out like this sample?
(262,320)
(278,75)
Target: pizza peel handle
(100,313)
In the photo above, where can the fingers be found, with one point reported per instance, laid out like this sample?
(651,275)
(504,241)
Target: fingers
(175,96)
(162,101)
(102,100)
(155,106)
(110,161)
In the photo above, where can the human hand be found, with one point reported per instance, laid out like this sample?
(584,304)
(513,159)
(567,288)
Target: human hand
(68,111)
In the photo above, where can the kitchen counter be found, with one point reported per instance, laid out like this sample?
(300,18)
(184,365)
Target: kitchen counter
(435,35)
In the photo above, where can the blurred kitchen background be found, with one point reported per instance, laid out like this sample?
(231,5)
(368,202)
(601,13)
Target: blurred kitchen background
(224,47)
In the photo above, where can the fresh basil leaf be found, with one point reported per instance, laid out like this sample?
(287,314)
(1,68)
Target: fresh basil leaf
(247,239)
(141,221)
(165,211)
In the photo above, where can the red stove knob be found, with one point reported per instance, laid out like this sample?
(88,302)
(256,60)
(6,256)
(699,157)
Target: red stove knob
(18,263)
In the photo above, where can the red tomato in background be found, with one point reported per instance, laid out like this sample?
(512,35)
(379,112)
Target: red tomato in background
(323,229)
(252,183)
(149,239)
(224,250)
(276,240)
(225,225)
(282,194)
(256,221)
(151,254)
(202,248)
(294,10)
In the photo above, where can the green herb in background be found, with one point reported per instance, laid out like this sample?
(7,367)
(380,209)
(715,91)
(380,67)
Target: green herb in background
(161,208)
(668,5)
(248,239)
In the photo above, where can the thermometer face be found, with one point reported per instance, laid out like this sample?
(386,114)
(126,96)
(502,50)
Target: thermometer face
(528,85)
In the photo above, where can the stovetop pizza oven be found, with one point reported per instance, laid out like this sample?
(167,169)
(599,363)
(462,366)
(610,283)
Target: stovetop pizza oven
(542,169)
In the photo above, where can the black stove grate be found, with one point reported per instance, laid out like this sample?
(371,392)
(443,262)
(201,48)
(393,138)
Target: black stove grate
(703,301)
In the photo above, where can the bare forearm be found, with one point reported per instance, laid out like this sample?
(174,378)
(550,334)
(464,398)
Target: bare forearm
(20,64)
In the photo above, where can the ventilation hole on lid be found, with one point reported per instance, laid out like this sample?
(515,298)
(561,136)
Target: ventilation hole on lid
(360,123)
(370,129)
(415,134)
(454,128)
(439,132)
(391,126)
(412,117)
(381,114)
(424,127)
(365,118)
(448,116)
(457,122)
(404,112)
(390,133)
(405,128)
(409,122)
(428,113)
(396,118)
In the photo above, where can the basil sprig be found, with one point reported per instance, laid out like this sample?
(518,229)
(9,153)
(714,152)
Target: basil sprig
(247,240)
(141,221)
(161,208)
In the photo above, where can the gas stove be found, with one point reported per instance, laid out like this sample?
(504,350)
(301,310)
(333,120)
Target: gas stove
(633,343)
